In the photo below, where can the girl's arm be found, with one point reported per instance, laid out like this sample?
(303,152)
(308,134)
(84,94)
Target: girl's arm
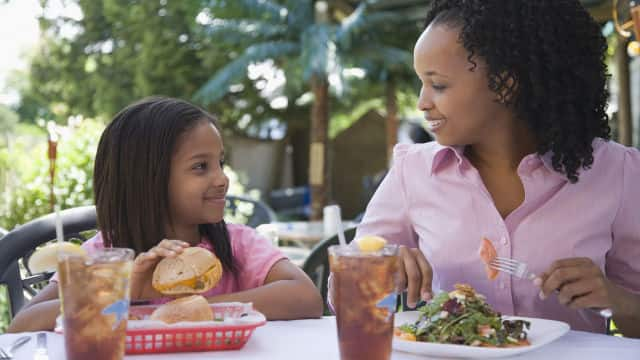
(287,294)
(40,313)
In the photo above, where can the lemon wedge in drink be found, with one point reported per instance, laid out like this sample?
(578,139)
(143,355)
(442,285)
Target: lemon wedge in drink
(45,258)
(370,243)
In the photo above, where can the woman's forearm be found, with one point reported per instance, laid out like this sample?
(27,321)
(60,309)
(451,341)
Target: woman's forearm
(626,312)
(40,316)
(280,300)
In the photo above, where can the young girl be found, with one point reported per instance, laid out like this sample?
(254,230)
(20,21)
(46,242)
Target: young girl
(515,93)
(160,188)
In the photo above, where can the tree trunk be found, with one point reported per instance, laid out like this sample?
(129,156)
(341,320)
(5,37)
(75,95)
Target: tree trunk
(392,117)
(318,172)
(624,93)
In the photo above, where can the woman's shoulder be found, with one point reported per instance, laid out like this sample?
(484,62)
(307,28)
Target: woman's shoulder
(430,156)
(612,163)
(610,153)
(425,149)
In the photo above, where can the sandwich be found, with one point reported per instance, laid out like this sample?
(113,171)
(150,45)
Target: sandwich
(188,308)
(194,271)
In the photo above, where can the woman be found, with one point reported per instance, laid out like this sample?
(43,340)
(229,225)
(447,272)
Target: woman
(514,92)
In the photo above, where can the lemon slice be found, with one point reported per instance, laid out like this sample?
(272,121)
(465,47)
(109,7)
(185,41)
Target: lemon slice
(371,243)
(46,258)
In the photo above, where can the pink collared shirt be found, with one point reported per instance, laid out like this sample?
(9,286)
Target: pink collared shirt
(253,255)
(434,199)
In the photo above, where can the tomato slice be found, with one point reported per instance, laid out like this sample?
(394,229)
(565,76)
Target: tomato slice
(487,253)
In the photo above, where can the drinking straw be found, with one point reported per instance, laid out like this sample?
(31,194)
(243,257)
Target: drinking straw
(59,233)
(338,220)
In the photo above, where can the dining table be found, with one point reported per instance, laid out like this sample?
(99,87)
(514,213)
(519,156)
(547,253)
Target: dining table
(305,234)
(317,339)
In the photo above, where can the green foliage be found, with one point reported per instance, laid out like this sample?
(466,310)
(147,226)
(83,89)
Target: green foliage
(237,70)
(27,193)
(317,48)
(4,309)
(122,51)
(8,120)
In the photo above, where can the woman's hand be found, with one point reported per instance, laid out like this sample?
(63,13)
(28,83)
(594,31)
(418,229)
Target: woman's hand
(415,275)
(145,263)
(580,284)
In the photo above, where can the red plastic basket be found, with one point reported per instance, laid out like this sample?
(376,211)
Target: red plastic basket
(148,341)
(197,338)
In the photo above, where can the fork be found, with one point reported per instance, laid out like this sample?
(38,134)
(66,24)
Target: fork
(513,267)
(520,270)
(4,355)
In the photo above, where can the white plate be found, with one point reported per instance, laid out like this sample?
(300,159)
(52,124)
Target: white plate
(540,333)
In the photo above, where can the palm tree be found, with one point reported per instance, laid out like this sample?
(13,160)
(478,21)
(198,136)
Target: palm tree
(300,38)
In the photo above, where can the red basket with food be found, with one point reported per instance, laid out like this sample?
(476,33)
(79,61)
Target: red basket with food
(170,328)
(185,325)
(189,323)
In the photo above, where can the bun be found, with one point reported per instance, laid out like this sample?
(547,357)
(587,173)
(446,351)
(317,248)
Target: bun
(190,308)
(194,271)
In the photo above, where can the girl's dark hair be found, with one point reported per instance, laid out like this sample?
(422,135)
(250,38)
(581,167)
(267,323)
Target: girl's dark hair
(546,59)
(131,175)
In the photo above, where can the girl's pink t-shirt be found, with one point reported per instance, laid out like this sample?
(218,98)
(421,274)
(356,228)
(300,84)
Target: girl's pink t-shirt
(253,256)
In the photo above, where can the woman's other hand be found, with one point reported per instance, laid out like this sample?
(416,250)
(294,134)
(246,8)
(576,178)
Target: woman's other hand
(415,275)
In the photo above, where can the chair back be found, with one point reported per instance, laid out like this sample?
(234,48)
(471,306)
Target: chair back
(251,212)
(18,244)
(317,264)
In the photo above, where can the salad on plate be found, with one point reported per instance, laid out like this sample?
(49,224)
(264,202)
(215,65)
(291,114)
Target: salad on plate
(463,317)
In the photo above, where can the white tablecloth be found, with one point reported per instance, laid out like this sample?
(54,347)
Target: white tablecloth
(316,339)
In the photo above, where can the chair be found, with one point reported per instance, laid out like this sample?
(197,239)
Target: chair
(17,246)
(291,203)
(317,264)
(249,211)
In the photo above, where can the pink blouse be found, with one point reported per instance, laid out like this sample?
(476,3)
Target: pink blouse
(434,199)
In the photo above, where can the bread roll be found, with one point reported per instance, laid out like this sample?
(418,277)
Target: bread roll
(190,308)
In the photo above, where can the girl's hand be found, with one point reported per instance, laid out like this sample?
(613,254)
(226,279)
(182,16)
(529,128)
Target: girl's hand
(415,275)
(145,263)
(580,284)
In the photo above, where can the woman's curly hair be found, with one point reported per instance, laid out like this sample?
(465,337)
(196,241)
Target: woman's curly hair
(546,59)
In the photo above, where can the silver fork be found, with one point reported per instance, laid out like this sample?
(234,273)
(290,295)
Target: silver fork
(520,270)
(4,355)
(513,267)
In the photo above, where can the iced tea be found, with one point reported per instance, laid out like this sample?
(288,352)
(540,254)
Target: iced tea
(364,298)
(94,291)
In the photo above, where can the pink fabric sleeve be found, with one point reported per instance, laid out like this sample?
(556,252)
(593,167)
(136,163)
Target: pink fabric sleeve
(89,246)
(253,254)
(387,213)
(622,265)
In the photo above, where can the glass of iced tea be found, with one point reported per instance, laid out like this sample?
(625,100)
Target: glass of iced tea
(363,293)
(94,294)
